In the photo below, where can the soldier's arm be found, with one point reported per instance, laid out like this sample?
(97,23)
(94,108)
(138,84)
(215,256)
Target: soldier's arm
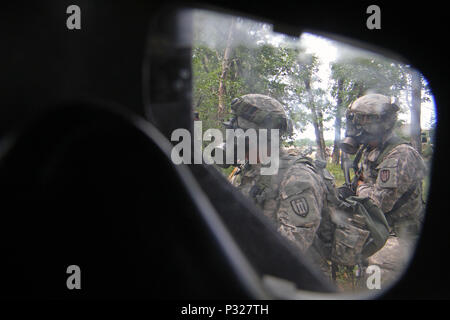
(301,202)
(398,172)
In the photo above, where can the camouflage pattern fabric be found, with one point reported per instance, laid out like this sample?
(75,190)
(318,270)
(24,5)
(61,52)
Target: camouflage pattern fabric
(259,111)
(371,104)
(297,199)
(302,201)
(386,180)
(395,179)
(294,199)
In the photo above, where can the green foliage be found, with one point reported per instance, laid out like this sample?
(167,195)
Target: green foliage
(257,64)
(336,171)
(254,66)
(367,74)
(346,278)
(307,102)
(362,75)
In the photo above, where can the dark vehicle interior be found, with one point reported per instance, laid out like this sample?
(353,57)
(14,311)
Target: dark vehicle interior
(85,170)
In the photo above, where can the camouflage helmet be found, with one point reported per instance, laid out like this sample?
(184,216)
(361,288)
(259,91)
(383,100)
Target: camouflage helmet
(374,113)
(260,112)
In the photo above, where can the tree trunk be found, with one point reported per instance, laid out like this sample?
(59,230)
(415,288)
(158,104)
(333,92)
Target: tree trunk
(338,124)
(317,123)
(225,68)
(416,97)
(318,130)
(321,141)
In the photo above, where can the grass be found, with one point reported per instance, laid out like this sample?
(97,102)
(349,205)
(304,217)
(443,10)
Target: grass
(336,171)
(346,278)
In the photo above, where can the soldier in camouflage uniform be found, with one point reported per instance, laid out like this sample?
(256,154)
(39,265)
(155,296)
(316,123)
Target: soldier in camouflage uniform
(295,198)
(391,176)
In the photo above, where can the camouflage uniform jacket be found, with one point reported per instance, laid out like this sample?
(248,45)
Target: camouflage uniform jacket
(294,199)
(393,176)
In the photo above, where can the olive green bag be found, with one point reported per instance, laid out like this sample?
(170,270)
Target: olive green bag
(360,230)
(360,227)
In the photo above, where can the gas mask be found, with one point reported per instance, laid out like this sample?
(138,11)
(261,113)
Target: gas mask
(370,119)
(251,143)
(362,129)
(238,159)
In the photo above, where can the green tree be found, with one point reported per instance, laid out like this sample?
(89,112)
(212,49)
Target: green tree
(233,58)
(308,96)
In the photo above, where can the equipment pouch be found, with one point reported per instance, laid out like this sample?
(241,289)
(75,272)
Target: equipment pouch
(348,244)
(360,234)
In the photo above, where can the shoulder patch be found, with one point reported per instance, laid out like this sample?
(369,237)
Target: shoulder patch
(388,173)
(300,206)
(384,175)
(387,177)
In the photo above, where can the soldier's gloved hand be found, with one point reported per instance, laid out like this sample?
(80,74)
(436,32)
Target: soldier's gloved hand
(344,192)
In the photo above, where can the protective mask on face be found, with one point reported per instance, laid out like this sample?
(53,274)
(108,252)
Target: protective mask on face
(233,125)
(361,129)
(350,144)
